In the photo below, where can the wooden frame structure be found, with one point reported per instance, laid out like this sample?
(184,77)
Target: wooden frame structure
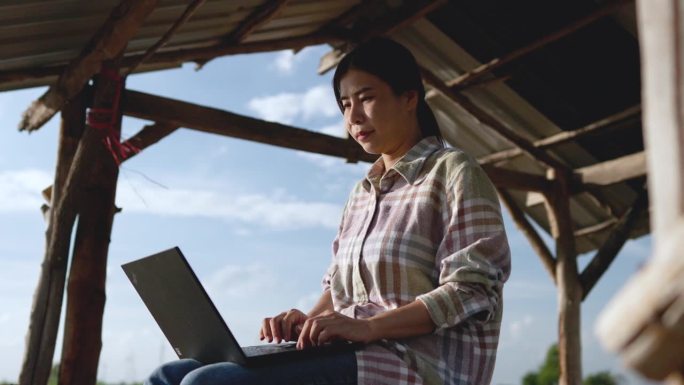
(81,148)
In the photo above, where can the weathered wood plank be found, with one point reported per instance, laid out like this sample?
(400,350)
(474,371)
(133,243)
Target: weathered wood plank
(613,171)
(107,43)
(211,120)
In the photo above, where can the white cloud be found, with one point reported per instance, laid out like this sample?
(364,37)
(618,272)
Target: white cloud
(286,60)
(20,190)
(517,327)
(308,301)
(277,210)
(241,281)
(337,130)
(518,289)
(285,108)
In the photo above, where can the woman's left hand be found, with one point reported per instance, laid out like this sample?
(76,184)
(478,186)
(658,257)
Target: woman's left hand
(330,326)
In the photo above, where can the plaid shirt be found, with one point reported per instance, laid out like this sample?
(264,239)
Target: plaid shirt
(430,229)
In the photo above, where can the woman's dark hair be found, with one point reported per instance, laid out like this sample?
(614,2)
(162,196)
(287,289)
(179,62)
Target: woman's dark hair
(395,65)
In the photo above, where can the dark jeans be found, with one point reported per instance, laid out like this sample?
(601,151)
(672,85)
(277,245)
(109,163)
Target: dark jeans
(338,369)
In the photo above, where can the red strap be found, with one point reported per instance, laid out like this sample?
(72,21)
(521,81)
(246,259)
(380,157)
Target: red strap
(106,119)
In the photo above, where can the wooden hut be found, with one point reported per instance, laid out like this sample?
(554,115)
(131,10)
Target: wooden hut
(546,95)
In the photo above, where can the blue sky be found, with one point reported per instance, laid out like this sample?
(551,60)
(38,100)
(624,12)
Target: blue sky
(255,221)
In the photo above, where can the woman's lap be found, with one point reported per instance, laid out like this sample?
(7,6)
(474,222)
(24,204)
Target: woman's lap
(339,369)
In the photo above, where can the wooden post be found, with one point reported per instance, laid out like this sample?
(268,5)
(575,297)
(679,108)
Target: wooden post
(530,233)
(568,284)
(644,323)
(86,290)
(47,301)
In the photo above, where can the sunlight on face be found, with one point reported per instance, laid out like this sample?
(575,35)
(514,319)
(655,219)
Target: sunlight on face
(380,121)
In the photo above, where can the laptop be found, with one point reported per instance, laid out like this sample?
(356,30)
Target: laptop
(190,321)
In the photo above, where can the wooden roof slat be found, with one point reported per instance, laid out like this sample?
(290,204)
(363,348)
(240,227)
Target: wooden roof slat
(187,14)
(404,16)
(112,38)
(476,73)
(257,18)
(490,121)
(613,171)
(564,137)
(178,56)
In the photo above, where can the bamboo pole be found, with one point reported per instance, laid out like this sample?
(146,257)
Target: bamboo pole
(47,300)
(568,285)
(86,288)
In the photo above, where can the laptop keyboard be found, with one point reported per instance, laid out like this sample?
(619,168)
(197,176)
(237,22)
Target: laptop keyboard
(260,350)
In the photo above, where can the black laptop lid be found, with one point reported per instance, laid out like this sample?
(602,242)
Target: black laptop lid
(182,308)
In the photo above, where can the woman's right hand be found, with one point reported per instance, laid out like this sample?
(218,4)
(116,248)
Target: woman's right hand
(283,327)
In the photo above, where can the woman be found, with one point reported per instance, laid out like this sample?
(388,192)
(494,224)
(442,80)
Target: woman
(419,261)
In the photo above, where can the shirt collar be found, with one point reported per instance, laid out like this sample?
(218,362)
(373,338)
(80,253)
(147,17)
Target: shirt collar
(410,164)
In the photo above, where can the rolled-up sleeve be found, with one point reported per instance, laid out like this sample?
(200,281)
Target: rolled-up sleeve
(473,257)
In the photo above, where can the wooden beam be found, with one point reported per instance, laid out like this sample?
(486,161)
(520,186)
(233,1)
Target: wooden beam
(489,121)
(472,75)
(568,284)
(149,135)
(211,120)
(108,42)
(47,300)
(87,274)
(189,11)
(613,171)
(537,243)
(612,246)
(517,180)
(565,136)
(404,16)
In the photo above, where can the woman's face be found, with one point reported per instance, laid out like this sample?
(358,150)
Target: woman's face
(380,121)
